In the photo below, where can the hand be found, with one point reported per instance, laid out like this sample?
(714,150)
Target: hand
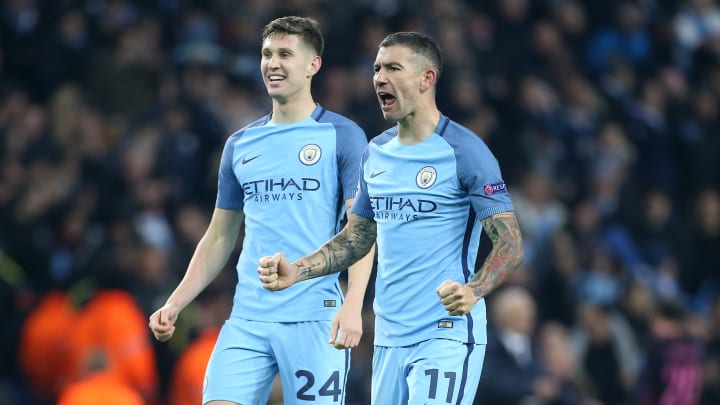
(457,298)
(276,272)
(162,322)
(346,327)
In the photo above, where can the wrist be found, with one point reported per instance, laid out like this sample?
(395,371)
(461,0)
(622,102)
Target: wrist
(297,271)
(172,305)
(473,293)
(355,301)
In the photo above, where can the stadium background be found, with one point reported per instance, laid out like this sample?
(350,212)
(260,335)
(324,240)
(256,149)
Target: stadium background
(113,113)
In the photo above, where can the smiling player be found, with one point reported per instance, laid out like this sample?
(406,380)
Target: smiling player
(288,176)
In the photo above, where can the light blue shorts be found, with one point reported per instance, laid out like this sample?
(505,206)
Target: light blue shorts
(435,371)
(249,354)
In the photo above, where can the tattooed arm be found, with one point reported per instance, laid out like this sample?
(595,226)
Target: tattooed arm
(505,256)
(344,249)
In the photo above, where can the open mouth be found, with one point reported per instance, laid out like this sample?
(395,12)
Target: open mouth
(276,78)
(386,99)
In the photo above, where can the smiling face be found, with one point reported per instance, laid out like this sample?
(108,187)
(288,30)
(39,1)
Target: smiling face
(401,77)
(287,66)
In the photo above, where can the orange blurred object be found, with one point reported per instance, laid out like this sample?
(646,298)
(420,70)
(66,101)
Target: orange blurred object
(186,386)
(44,344)
(102,388)
(113,324)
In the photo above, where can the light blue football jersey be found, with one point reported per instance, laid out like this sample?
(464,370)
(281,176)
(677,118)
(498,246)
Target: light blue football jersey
(428,200)
(291,181)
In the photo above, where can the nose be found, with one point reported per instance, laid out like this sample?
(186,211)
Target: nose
(379,78)
(273,62)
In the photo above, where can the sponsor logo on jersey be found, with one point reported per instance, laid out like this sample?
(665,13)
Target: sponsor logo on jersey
(267,190)
(494,188)
(400,208)
(426,177)
(445,324)
(329,303)
(310,154)
(376,173)
(248,160)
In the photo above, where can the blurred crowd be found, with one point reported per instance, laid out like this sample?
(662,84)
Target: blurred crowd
(603,115)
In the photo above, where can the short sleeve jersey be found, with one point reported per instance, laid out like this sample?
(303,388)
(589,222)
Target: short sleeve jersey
(428,200)
(291,182)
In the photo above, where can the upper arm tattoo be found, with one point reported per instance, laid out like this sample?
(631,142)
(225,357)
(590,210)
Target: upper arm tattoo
(344,249)
(505,256)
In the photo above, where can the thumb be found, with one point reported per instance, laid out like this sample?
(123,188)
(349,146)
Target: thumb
(278,258)
(162,317)
(334,330)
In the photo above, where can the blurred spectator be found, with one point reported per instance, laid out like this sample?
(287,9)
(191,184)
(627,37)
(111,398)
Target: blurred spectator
(97,386)
(611,155)
(699,129)
(112,323)
(127,79)
(44,345)
(601,282)
(703,260)
(513,371)
(638,304)
(540,215)
(649,130)
(626,40)
(711,358)
(608,352)
(696,24)
(563,364)
(672,372)
(555,285)
(659,240)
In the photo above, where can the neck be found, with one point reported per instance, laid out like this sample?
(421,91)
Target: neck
(418,126)
(292,109)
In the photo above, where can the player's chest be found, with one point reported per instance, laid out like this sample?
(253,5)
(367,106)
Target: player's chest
(413,188)
(283,158)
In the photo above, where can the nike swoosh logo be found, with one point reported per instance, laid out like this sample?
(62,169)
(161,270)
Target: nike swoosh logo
(244,161)
(375,174)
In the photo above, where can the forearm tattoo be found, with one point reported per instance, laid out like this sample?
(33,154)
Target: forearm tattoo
(505,256)
(342,251)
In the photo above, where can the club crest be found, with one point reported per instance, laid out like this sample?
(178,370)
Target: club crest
(426,177)
(310,154)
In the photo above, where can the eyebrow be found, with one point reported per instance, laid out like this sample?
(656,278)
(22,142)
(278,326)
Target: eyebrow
(388,64)
(278,49)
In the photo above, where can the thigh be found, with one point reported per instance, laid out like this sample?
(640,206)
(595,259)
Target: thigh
(389,384)
(312,371)
(241,367)
(444,372)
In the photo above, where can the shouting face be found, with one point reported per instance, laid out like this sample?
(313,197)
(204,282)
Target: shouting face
(400,79)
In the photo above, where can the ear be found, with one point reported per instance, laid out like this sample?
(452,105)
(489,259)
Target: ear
(429,79)
(315,64)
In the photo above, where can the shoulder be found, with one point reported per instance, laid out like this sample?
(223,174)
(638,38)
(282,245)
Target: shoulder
(339,120)
(384,137)
(257,123)
(467,145)
(459,136)
(240,132)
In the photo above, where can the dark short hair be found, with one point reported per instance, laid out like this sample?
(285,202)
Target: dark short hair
(420,44)
(304,27)
(670,310)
